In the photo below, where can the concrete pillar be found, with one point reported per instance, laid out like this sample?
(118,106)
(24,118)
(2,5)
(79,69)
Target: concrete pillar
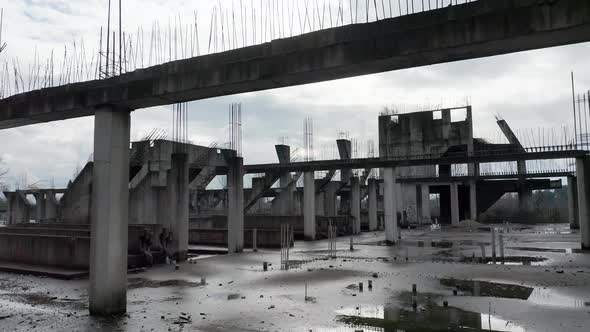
(390,205)
(178,191)
(309,224)
(454,204)
(110,200)
(583,173)
(572,201)
(524,197)
(473,200)
(373,222)
(40,207)
(235,214)
(330,202)
(355,204)
(51,206)
(425,203)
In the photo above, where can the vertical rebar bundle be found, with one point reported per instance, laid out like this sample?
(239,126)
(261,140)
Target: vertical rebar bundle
(180,127)
(286,239)
(332,234)
(235,128)
(308,139)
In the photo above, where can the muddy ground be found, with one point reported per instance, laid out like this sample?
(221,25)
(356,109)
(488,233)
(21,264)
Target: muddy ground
(543,285)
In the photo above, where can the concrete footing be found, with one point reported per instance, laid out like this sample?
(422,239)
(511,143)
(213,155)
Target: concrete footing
(110,199)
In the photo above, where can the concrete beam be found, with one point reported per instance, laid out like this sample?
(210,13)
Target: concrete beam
(472,30)
(426,160)
(110,199)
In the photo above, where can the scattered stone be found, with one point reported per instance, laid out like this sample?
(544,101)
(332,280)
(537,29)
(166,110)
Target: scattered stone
(272,306)
(560,271)
(375,275)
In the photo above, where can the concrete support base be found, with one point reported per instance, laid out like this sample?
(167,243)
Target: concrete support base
(110,199)
(309,226)
(572,201)
(373,222)
(583,173)
(454,204)
(390,205)
(235,191)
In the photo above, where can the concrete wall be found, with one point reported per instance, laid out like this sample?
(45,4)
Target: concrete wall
(76,203)
(266,238)
(60,251)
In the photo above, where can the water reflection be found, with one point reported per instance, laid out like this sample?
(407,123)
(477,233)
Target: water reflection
(429,316)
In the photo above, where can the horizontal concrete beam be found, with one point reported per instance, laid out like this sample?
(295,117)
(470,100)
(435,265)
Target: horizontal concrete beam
(476,29)
(323,165)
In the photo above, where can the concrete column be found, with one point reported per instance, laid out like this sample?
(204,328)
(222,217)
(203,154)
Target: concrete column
(355,204)
(110,200)
(373,222)
(235,214)
(309,224)
(473,200)
(179,203)
(390,205)
(330,202)
(51,206)
(426,203)
(40,207)
(572,201)
(583,173)
(454,204)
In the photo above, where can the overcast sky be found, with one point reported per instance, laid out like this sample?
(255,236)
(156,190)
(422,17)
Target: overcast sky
(529,90)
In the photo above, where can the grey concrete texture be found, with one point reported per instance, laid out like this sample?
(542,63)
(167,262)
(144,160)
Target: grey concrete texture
(477,29)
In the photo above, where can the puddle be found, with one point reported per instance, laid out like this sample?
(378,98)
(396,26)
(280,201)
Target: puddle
(508,260)
(553,250)
(550,297)
(428,316)
(540,296)
(35,299)
(488,289)
(134,283)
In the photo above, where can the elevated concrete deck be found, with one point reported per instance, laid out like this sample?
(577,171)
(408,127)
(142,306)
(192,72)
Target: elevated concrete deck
(472,30)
